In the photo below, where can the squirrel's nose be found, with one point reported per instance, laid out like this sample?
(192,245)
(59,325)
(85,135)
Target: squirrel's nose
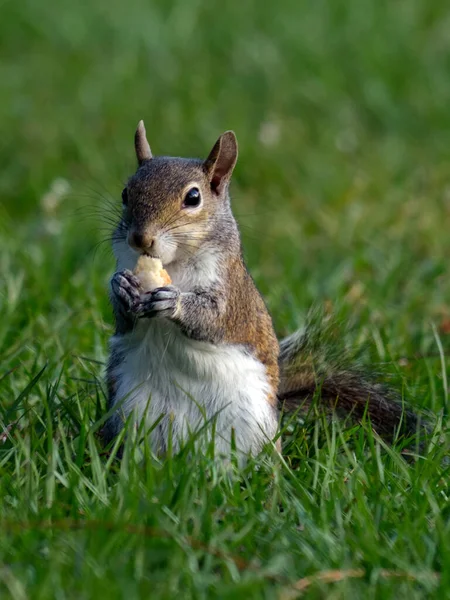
(140,240)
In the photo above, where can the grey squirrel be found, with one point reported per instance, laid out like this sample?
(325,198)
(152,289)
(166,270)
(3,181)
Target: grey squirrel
(204,348)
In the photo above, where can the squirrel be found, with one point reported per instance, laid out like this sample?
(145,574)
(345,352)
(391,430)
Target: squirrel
(204,348)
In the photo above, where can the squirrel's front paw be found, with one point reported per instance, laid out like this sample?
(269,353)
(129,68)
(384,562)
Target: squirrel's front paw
(126,290)
(162,302)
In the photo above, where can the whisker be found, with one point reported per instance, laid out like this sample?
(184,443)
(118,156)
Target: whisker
(104,195)
(194,247)
(104,215)
(183,225)
(182,234)
(110,199)
(171,220)
(102,219)
(103,246)
(103,191)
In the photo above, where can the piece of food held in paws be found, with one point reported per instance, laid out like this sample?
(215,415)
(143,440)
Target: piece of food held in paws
(151,273)
(158,297)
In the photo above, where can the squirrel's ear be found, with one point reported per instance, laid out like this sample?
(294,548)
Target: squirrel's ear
(221,161)
(142,147)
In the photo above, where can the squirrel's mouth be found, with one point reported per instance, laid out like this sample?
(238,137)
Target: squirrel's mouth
(161,249)
(165,261)
(150,254)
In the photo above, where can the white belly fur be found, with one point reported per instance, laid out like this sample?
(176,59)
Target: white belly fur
(191,383)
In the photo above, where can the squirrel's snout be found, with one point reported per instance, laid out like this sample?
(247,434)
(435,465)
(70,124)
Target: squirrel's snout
(140,240)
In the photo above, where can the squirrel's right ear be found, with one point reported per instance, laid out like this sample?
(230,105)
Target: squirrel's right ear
(221,161)
(142,147)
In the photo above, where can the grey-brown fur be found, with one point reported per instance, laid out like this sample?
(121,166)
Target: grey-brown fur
(309,370)
(229,310)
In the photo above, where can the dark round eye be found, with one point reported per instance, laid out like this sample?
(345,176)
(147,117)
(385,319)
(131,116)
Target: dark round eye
(125,196)
(192,198)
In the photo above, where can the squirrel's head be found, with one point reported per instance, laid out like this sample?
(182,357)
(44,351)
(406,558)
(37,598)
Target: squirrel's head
(172,205)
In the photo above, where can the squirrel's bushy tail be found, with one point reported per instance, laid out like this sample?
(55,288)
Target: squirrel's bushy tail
(311,361)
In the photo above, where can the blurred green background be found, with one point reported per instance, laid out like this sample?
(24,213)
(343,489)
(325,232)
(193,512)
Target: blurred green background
(342,192)
(342,186)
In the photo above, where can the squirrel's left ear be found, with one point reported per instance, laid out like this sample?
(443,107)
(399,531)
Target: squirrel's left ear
(141,145)
(221,161)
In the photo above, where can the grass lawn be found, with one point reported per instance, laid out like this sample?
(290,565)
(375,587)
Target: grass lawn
(342,191)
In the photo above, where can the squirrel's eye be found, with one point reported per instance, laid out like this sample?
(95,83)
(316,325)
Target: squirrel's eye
(125,196)
(192,198)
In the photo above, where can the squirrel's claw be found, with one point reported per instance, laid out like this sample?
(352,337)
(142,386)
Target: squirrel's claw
(162,302)
(126,289)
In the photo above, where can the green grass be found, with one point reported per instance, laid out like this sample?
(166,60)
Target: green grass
(342,192)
